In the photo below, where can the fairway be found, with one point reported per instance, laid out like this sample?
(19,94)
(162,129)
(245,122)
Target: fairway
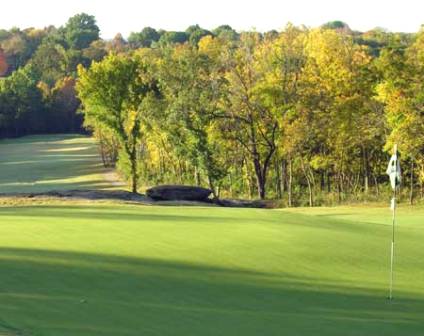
(51,162)
(114,269)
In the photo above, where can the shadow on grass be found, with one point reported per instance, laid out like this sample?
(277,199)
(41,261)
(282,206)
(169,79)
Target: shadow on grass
(67,293)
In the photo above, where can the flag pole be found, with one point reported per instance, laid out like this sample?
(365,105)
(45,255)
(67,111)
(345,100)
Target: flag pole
(392,254)
(394,172)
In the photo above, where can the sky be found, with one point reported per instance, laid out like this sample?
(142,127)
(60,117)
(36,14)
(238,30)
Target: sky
(125,16)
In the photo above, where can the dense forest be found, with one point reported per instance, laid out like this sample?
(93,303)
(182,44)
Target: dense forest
(305,116)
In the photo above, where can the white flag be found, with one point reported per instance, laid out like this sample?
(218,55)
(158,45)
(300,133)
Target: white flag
(393,169)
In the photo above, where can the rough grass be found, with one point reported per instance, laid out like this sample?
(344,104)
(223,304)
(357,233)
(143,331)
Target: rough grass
(50,162)
(110,269)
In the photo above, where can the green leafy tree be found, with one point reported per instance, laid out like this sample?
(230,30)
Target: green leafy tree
(337,25)
(191,108)
(61,104)
(282,59)
(196,33)
(403,96)
(112,93)
(143,39)
(95,52)
(250,122)
(51,62)
(226,32)
(21,109)
(80,31)
(172,37)
(337,94)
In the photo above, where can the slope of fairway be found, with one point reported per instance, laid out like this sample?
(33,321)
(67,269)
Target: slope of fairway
(105,269)
(50,162)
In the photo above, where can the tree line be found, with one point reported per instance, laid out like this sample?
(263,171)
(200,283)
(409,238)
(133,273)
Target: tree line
(303,115)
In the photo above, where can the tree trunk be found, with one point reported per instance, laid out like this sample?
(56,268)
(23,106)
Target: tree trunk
(366,170)
(289,184)
(180,172)
(328,182)
(212,187)
(103,152)
(311,196)
(261,188)
(421,182)
(283,176)
(339,187)
(411,190)
(197,176)
(134,175)
(250,182)
(377,189)
(278,182)
(309,182)
(260,178)
(230,180)
(131,151)
(134,183)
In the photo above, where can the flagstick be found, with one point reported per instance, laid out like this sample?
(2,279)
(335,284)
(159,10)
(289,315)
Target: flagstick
(392,254)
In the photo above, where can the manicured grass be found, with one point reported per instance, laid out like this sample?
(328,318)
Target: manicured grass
(50,162)
(113,269)
(83,268)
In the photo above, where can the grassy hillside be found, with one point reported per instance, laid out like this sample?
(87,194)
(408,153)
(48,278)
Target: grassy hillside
(51,162)
(105,269)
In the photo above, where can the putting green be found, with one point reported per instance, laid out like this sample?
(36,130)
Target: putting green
(110,269)
(51,162)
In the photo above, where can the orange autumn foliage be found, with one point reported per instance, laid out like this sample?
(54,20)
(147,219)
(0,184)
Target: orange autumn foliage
(3,63)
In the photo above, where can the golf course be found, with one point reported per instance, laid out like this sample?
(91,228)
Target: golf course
(96,268)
